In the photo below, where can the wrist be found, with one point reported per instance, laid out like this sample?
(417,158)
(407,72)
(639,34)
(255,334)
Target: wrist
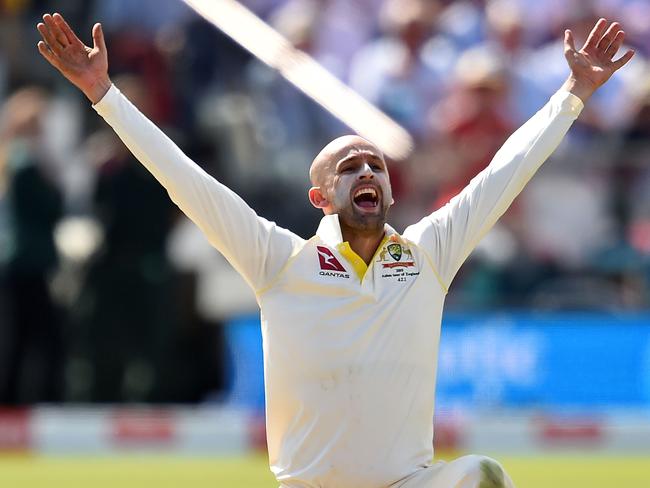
(581,89)
(96,90)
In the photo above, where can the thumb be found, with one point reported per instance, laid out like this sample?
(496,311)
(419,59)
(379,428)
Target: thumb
(98,37)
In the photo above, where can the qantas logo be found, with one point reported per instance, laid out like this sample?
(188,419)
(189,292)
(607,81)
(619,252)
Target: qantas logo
(328,261)
(329,265)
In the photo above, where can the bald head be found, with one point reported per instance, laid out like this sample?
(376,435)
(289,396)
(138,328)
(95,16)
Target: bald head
(325,162)
(350,179)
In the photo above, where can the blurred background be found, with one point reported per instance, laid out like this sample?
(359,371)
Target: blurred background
(122,330)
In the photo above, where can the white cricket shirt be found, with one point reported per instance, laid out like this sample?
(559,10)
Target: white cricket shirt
(350,352)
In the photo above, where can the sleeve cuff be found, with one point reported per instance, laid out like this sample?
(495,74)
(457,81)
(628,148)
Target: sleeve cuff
(569,102)
(103,107)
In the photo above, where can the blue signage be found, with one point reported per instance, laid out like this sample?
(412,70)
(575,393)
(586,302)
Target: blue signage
(532,360)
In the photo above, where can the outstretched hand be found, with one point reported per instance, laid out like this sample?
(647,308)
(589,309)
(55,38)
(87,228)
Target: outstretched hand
(594,63)
(83,66)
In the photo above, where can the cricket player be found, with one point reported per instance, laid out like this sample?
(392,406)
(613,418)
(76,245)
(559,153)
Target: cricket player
(350,317)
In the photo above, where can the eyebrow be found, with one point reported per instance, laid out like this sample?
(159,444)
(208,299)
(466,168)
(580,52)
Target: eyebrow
(358,155)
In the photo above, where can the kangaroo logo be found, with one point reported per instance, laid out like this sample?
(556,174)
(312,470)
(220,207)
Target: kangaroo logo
(396,251)
(328,261)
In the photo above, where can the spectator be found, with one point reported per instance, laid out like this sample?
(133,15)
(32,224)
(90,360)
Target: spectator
(126,296)
(393,71)
(35,358)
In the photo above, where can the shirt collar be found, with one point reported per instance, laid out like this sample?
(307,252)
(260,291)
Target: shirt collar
(329,230)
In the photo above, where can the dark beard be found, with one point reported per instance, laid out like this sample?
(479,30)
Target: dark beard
(355,221)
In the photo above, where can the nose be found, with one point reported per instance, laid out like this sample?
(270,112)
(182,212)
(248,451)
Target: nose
(365,172)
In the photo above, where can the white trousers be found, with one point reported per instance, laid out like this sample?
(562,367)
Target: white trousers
(465,472)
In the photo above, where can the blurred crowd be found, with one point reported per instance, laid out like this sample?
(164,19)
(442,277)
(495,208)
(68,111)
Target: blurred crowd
(109,294)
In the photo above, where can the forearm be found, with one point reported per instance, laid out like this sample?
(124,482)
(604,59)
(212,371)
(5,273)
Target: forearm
(492,191)
(527,149)
(227,221)
(456,229)
(168,164)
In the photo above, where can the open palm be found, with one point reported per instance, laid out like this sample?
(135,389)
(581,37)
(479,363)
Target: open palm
(85,67)
(594,63)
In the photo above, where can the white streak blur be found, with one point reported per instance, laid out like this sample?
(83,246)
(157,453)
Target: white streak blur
(268,45)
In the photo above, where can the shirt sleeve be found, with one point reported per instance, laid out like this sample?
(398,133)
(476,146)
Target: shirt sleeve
(450,234)
(257,249)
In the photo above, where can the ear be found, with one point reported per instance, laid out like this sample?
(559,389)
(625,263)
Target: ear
(317,198)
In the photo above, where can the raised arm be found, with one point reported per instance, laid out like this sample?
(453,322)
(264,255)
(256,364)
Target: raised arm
(452,232)
(256,247)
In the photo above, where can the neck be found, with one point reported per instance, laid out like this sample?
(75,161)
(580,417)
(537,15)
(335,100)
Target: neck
(363,243)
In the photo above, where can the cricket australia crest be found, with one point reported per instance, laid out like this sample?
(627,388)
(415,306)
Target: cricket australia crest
(393,252)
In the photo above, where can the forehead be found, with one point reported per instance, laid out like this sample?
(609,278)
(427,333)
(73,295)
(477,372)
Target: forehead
(341,149)
(356,151)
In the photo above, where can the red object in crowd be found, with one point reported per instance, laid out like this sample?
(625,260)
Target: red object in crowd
(15,432)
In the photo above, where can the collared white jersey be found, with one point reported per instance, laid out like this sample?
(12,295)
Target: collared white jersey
(350,351)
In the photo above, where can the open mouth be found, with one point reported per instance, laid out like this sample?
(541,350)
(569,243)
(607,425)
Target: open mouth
(366,198)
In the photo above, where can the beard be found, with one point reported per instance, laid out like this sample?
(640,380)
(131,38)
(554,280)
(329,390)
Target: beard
(352,218)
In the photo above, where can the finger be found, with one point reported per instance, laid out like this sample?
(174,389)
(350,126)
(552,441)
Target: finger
(569,42)
(98,37)
(623,60)
(616,44)
(48,54)
(607,39)
(65,28)
(596,33)
(54,29)
(47,36)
